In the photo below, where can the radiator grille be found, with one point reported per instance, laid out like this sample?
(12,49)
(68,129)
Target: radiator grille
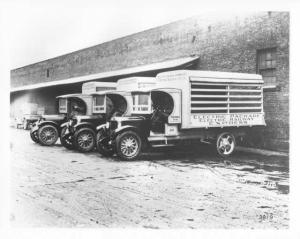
(226,98)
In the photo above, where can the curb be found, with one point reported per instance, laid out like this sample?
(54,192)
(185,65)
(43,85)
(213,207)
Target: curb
(261,151)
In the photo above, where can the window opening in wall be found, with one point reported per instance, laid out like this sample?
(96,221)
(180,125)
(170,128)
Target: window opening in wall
(48,73)
(266,66)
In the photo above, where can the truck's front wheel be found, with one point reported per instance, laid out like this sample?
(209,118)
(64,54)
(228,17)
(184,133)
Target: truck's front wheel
(128,145)
(66,140)
(84,140)
(48,135)
(34,136)
(102,144)
(225,144)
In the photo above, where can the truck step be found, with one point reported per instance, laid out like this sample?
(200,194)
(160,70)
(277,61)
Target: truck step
(161,145)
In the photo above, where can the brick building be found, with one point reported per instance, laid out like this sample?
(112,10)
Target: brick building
(256,43)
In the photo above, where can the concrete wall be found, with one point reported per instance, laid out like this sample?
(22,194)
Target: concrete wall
(229,45)
(45,97)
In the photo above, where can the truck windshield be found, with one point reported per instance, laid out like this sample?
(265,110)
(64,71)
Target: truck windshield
(141,103)
(62,105)
(99,104)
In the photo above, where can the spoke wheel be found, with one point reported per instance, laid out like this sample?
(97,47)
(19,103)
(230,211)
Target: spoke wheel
(34,136)
(102,144)
(48,135)
(225,144)
(66,140)
(129,145)
(84,140)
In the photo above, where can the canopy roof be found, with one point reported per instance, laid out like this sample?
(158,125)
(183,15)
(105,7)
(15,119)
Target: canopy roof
(100,76)
(71,95)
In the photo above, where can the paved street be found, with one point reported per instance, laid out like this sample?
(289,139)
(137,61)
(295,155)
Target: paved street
(56,187)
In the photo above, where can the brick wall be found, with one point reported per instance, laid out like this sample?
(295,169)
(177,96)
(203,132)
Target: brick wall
(229,45)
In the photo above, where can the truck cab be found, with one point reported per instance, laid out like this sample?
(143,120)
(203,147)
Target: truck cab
(81,132)
(48,128)
(190,106)
(156,113)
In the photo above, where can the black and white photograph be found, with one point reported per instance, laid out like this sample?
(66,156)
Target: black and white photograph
(124,116)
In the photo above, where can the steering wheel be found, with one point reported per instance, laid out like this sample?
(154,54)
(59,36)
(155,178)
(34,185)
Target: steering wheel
(159,112)
(155,111)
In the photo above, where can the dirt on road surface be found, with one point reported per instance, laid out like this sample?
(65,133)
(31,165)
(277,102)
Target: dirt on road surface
(170,188)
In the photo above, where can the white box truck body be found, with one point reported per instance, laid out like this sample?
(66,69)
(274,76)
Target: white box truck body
(217,99)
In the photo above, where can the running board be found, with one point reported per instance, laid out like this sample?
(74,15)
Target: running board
(171,137)
(161,145)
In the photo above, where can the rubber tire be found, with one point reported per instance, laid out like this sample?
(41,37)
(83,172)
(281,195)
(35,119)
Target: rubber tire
(64,142)
(102,150)
(41,129)
(80,131)
(34,137)
(118,145)
(217,142)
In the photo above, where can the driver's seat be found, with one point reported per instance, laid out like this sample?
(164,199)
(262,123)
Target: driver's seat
(158,121)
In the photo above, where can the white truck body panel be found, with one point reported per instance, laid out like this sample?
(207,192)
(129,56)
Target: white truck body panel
(136,83)
(126,96)
(85,97)
(126,86)
(95,86)
(217,99)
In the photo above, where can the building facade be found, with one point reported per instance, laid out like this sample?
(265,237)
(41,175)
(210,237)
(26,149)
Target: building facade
(254,43)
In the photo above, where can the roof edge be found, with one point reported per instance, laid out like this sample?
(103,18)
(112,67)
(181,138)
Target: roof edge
(137,69)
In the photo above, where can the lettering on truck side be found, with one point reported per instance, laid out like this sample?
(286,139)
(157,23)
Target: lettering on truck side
(217,120)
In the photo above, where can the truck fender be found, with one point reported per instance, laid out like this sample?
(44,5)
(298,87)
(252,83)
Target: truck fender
(64,124)
(84,124)
(122,129)
(101,127)
(48,122)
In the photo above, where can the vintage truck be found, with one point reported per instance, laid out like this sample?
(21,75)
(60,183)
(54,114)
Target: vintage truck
(27,114)
(80,131)
(46,129)
(188,106)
